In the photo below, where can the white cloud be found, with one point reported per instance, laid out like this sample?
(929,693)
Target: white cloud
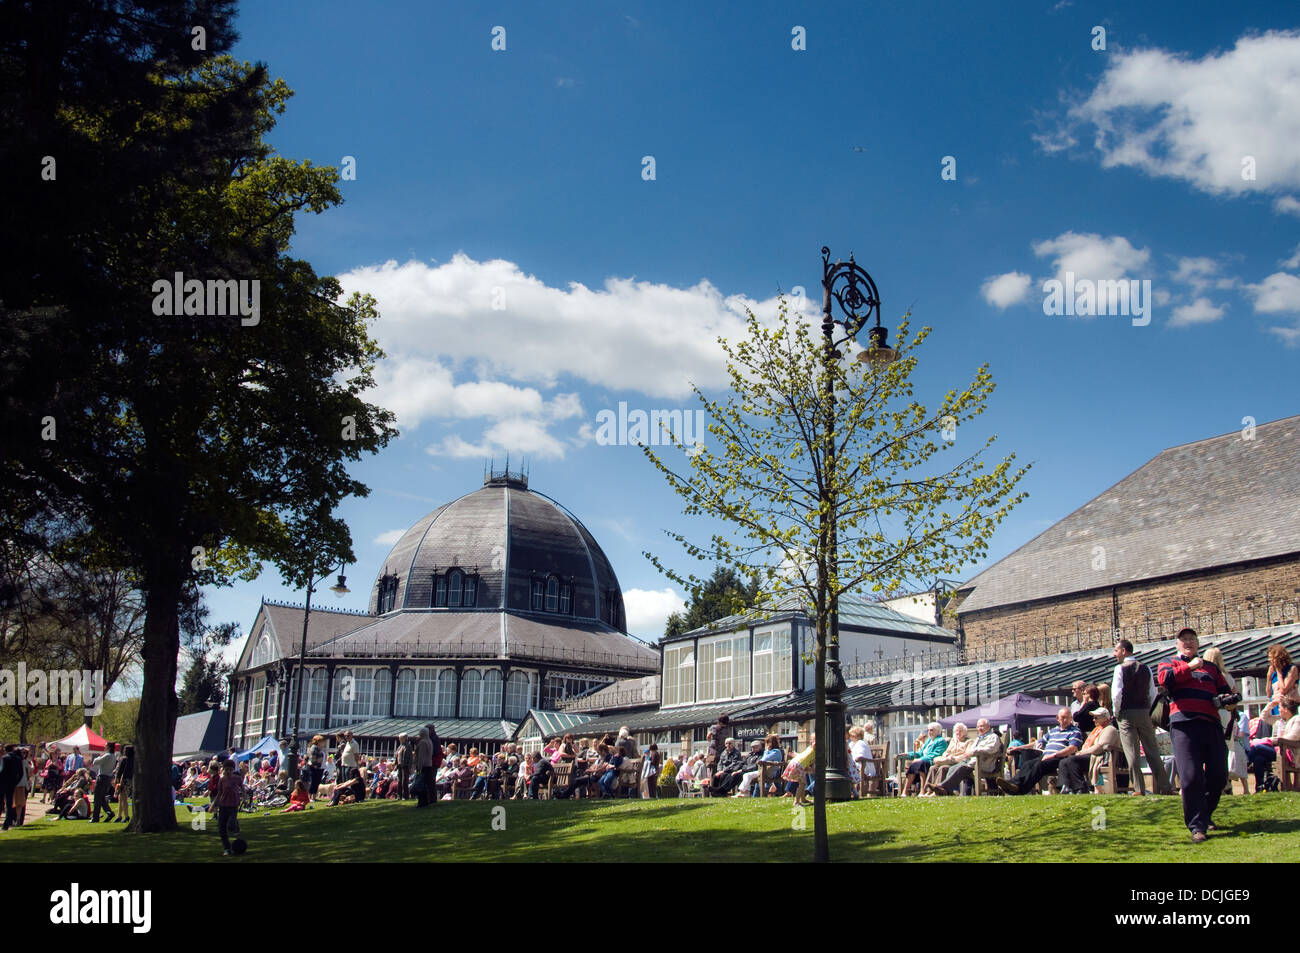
(1002,291)
(1196,119)
(648,610)
(1200,311)
(389,538)
(1287,205)
(1277,294)
(1290,336)
(1195,272)
(1091,256)
(1293,262)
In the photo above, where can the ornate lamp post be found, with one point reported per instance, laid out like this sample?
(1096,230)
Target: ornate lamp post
(340,589)
(853,290)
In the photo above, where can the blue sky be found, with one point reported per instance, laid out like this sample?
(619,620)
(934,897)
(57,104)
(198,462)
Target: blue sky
(521,170)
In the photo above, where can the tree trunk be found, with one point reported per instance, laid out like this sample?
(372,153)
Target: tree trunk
(155,726)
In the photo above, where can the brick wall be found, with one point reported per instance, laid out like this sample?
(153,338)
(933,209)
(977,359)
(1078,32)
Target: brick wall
(1224,599)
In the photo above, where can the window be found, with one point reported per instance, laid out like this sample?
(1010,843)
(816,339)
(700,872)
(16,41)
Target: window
(762,663)
(470,691)
(704,673)
(566,598)
(262,653)
(387,594)
(383,697)
(255,709)
(517,695)
(454,589)
(237,697)
(782,661)
(405,707)
(446,707)
(439,591)
(539,595)
(490,705)
(740,681)
(426,693)
(362,692)
(552,594)
(679,675)
(341,705)
(316,689)
(454,581)
(467,591)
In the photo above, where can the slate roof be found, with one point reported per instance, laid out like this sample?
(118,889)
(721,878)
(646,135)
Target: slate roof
(493,634)
(856,612)
(283,621)
(553,723)
(449,729)
(663,719)
(1209,503)
(509,535)
(201,734)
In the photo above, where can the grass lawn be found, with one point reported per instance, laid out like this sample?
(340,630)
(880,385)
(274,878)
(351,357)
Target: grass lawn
(1251,828)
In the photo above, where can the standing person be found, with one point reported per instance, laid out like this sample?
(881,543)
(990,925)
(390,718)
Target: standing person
(650,772)
(350,762)
(1197,735)
(125,776)
(74,762)
(1133,691)
(424,764)
(1282,678)
(230,789)
(315,764)
(105,766)
(402,759)
(340,772)
(51,776)
(11,769)
(26,781)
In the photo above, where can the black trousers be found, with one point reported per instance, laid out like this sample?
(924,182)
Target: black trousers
(722,786)
(10,816)
(1201,755)
(314,774)
(1033,771)
(103,798)
(404,783)
(429,791)
(1073,774)
(224,816)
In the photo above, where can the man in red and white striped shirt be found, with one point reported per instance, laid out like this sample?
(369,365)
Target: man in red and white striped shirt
(1195,731)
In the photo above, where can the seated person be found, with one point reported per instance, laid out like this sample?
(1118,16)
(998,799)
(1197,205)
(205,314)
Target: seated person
(920,760)
(541,773)
(299,799)
(954,754)
(985,750)
(1072,775)
(78,809)
(481,772)
(351,791)
(609,779)
(753,769)
(730,768)
(1060,742)
(860,751)
(588,778)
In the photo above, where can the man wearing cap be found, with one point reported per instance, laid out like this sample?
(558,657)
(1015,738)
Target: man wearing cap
(1200,753)
(1073,773)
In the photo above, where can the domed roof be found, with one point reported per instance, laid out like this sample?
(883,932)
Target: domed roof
(509,537)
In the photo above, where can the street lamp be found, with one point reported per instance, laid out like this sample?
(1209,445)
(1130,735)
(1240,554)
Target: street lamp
(340,589)
(849,286)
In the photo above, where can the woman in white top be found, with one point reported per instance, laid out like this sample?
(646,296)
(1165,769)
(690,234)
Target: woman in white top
(860,749)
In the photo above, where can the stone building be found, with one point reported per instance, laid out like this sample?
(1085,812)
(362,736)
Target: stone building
(1206,534)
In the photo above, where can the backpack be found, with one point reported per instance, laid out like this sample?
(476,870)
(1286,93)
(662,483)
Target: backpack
(1160,708)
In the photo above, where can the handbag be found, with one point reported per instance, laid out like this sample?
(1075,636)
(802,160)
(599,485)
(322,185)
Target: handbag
(1160,708)
(417,784)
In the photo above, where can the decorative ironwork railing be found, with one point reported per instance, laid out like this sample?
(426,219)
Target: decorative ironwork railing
(486,650)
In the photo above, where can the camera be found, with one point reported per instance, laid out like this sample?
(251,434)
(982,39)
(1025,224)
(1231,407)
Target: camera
(1227,699)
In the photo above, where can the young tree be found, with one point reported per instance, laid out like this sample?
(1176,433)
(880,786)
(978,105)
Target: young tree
(804,433)
(190,443)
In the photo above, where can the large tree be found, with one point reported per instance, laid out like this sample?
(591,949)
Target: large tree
(804,433)
(195,445)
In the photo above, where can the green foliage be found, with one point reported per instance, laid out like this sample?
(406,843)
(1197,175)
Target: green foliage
(724,593)
(909,504)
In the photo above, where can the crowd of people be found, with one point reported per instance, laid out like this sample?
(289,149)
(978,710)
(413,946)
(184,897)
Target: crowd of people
(1210,736)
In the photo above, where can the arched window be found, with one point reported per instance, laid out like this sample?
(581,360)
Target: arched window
(439,591)
(539,594)
(491,704)
(552,594)
(446,694)
(470,684)
(468,592)
(262,652)
(517,696)
(383,693)
(455,579)
(344,686)
(405,694)
(566,598)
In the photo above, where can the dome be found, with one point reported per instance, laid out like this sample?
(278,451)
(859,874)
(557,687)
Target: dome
(502,547)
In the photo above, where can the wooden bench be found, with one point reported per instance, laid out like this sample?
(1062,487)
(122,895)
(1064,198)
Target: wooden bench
(1288,769)
(629,778)
(769,772)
